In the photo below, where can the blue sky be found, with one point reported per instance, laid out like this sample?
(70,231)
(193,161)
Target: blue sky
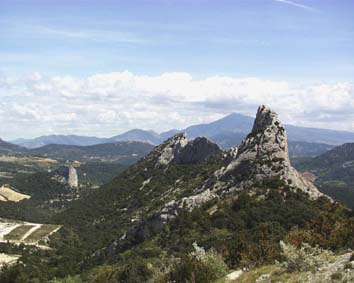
(311,40)
(102,67)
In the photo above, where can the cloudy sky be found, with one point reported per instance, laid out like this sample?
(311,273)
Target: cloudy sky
(103,67)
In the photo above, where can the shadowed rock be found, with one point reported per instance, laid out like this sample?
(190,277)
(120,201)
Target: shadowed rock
(197,150)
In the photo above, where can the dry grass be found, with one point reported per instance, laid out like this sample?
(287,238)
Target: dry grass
(8,194)
(22,160)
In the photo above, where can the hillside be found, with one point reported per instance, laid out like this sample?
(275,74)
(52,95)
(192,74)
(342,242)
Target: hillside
(121,152)
(11,149)
(334,172)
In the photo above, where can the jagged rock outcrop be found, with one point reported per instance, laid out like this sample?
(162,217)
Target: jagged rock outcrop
(197,150)
(181,151)
(263,158)
(170,148)
(231,154)
(67,175)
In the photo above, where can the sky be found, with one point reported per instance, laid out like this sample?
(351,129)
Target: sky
(103,67)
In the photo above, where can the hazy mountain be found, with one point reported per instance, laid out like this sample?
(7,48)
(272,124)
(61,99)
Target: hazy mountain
(228,131)
(299,148)
(232,123)
(137,135)
(58,139)
(315,135)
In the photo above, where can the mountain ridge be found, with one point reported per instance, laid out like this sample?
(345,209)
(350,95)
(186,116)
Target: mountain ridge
(213,129)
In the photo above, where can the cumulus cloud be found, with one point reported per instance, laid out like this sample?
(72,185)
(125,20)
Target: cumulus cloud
(110,103)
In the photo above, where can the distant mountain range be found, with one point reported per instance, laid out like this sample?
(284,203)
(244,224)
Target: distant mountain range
(123,152)
(228,131)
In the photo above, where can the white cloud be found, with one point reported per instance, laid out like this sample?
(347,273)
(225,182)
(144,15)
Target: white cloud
(109,103)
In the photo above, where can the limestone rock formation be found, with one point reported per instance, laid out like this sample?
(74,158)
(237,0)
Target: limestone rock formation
(181,151)
(67,175)
(197,150)
(263,158)
(170,148)
(72,178)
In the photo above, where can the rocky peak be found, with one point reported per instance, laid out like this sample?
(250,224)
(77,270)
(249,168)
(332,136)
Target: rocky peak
(197,150)
(170,148)
(268,137)
(263,158)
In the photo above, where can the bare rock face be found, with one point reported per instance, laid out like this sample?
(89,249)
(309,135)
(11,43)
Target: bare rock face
(231,154)
(67,175)
(197,150)
(73,181)
(263,158)
(170,148)
(179,150)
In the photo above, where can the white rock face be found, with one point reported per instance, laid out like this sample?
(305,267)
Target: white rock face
(263,156)
(170,148)
(171,209)
(73,180)
(67,175)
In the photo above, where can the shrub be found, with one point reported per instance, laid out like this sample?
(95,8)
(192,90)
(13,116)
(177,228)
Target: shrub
(199,266)
(336,276)
(305,258)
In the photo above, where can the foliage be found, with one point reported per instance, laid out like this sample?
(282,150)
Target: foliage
(305,258)
(199,266)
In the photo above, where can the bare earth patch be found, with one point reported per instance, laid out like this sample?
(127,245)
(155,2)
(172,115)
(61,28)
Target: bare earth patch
(26,233)
(8,194)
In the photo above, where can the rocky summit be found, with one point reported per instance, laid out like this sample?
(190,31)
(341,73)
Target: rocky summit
(263,157)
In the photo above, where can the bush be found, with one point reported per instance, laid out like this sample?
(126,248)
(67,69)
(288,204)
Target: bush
(199,266)
(305,258)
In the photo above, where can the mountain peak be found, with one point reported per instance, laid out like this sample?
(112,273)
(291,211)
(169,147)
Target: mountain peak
(263,158)
(265,118)
(268,137)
